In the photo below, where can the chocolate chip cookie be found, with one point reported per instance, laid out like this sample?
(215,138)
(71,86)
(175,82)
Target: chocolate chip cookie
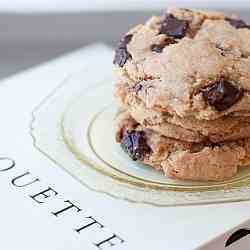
(230,127)
(188,63)
(179,159)
(183,81)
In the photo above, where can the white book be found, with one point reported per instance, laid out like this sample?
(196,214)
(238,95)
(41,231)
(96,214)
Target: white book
(45,207)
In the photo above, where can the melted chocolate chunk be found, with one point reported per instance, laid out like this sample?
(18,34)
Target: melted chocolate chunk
(121,53)
(159,47)
(222,94)
(137,87)
(121,56)
(134,143)
(237,23)
(125,41)
(173,27)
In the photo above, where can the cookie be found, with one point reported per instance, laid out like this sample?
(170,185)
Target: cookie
(204,161)
(188,128)
(188,64)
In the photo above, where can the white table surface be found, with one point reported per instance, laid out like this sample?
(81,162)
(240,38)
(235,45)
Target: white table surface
(27,227)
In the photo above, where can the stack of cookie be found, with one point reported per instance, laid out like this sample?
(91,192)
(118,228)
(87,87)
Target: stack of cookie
(183,83)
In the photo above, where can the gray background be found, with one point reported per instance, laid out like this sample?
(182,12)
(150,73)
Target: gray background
(27,40)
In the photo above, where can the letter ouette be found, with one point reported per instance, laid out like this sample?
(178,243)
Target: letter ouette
(67,208)
(109,242)
(15,183)
(93,222)
(45,194)
(6,164)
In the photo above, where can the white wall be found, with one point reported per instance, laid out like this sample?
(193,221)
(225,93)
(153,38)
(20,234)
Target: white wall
(102,5)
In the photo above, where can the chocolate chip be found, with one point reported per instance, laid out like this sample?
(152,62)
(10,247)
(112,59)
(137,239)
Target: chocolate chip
(125,41)
(134,143)
(222,94)
(173,27)
(159,47)
(121,53)
(137,87)
(237,23)
(121,56)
